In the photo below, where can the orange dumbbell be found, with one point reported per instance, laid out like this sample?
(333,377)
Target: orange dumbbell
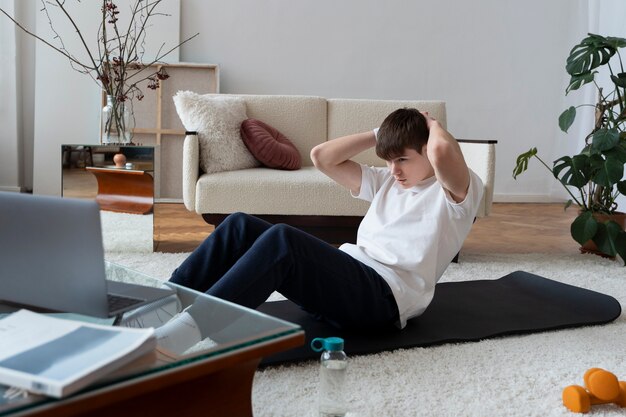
(601,387)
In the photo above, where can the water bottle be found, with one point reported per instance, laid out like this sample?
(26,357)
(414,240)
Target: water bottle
(334,363)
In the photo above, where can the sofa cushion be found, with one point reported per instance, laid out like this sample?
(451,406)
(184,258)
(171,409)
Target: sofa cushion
(217,119)
(268,191)
(269,146)
(300,118)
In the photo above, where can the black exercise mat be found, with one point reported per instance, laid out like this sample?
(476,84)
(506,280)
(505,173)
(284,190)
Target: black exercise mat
(517,303)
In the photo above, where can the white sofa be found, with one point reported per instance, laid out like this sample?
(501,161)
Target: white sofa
(306,198)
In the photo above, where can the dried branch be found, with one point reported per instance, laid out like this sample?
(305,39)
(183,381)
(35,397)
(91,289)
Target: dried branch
(78,32)
(118,62)
(65,54)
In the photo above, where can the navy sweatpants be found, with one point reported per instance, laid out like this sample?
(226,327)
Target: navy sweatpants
(246,259)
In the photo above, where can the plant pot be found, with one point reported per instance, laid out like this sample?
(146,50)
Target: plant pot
(590,246)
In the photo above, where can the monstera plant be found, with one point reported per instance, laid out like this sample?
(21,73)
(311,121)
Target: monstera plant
(594,178)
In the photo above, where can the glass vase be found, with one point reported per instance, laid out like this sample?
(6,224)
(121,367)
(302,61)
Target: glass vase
(116,122)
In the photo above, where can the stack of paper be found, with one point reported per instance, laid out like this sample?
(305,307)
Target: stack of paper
(57,357)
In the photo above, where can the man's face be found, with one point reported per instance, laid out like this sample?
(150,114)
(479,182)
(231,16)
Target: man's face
(410,168)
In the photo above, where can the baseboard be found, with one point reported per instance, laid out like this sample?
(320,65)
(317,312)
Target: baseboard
(168,200)
(13,189)
(526,198)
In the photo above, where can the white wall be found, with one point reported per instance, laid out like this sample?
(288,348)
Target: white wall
(26,12)
(10,157)
(67,103)
(498,64)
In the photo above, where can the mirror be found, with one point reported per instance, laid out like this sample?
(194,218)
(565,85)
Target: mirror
(121,179)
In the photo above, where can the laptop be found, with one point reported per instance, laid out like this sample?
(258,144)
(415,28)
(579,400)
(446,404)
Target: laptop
(52,258)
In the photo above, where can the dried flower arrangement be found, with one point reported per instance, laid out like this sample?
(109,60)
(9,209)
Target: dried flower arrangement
(118,64)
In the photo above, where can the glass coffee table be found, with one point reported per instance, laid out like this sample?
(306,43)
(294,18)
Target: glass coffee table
(214,377)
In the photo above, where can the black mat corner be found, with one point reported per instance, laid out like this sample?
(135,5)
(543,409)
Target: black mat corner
(517,303)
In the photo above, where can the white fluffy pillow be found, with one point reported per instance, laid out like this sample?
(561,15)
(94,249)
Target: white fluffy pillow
(217,119)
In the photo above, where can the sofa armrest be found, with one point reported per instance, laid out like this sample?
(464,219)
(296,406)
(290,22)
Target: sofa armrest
(480,156)
(191,169)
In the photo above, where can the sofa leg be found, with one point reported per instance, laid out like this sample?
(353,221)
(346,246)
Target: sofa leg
(456,258)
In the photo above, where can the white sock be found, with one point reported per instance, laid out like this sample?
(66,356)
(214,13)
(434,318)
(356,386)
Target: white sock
(178,334)
(154,314)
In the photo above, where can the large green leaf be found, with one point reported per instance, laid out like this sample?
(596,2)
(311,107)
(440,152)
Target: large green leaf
(567,118)
(618,152)
(604,139)
(578,80)
(621,187)
(611,171)
(606,236)
(619,79)
(521,164)
(590,53)
(620,246)
(572,171)
(596,163)
(616,42)
(584,227)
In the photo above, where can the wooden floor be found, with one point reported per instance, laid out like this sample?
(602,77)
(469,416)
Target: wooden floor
(510,228)
(178,230)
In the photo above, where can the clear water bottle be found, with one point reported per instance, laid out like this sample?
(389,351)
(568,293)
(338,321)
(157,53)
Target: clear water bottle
(334,364)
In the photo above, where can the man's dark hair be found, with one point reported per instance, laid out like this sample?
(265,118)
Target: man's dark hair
(404,128)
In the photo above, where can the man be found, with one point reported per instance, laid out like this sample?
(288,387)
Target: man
(422,207)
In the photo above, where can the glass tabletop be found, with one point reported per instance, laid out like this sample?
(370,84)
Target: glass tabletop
(226,328)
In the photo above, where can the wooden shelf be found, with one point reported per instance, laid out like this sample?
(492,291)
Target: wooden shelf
(157,123)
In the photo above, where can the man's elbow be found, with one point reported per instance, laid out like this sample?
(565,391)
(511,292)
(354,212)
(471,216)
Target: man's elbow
(317,156)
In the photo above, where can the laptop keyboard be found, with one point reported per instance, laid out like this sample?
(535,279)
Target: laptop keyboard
(118,302)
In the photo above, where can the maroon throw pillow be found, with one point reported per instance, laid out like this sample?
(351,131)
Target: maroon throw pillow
(269,146)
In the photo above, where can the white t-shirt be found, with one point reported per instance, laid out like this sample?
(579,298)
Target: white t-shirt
(410,236)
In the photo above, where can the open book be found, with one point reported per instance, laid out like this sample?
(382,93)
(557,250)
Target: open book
(56,357)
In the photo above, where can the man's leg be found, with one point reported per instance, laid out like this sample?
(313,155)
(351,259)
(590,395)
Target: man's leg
(313,274)
(219,251)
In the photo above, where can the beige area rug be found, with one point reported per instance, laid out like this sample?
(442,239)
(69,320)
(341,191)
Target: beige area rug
(510,376)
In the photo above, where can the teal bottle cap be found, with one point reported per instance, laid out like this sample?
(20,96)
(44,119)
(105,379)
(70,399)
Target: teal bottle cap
(330,343)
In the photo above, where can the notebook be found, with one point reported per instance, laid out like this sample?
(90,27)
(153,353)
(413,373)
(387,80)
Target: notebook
(52,258)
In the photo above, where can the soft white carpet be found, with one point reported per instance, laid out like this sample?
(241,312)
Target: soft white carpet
(511,376)
(122,232)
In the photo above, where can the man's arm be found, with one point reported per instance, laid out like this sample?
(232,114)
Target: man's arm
(444,154)
(333,158)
